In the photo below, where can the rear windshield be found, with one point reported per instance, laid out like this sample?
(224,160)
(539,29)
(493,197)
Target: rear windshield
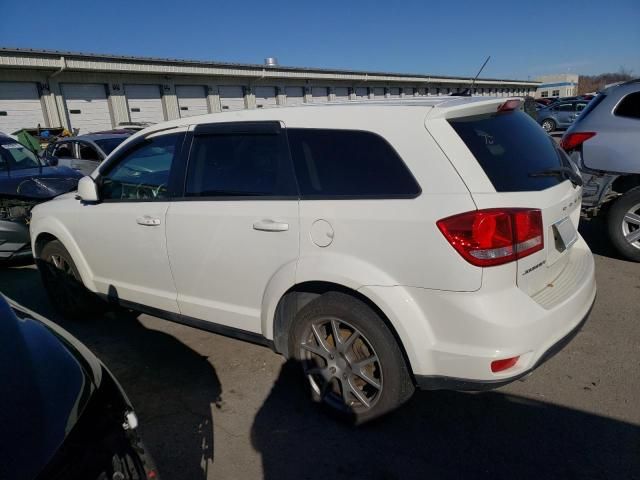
(510,146)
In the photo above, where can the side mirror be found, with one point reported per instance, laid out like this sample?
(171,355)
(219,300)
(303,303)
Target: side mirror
(87,190)
(52,161)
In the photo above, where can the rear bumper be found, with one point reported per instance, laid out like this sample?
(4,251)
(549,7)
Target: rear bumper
(451,338)
(435,382)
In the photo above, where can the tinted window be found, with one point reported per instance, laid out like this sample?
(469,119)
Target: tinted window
(239,164)
(15,156)
(87,152)
(346,163)
(629,106)
(509,147)
(566,107)
(64,150)
(143,172)
(108,145)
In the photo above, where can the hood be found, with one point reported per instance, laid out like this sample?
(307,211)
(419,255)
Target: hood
(41,183)
(47,383)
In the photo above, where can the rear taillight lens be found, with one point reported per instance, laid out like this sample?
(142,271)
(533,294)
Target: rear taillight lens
(504,364)
(572,141)
(496,236)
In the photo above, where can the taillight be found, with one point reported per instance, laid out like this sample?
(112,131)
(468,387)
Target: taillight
(572,141)
(495,236)
(504,364)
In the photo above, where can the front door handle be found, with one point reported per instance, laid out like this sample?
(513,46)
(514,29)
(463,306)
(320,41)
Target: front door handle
(148,221)
(269,225)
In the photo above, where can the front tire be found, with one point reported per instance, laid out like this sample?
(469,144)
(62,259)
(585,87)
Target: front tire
(63,283)
(350,358)
(623,222)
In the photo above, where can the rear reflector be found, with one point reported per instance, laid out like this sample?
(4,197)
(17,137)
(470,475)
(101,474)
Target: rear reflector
(504,364)
(572,141)
(495,236)
(509,105)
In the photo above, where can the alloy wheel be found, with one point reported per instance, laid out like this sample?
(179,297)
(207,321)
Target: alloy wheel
(631,226)
(341,365)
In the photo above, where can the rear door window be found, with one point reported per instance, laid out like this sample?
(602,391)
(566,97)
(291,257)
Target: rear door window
(239,160)
(510,146)
(348,163)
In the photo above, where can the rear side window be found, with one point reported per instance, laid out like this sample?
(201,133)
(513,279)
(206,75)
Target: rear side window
(629,106)
(510,146)
(348,163)
(240,164)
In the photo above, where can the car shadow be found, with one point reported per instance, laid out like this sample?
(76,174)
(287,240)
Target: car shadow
(594,232)
(441,435)
(172,387)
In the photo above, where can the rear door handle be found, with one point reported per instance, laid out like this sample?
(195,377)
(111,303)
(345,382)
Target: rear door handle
(148,221)
(269,225)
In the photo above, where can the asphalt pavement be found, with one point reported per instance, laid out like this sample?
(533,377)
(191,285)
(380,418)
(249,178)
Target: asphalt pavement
(215,408)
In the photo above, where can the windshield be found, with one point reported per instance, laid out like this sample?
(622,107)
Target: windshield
(108,145)
(510,147)
(14,156)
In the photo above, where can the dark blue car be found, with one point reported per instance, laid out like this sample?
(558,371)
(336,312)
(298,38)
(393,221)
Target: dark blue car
(24,182)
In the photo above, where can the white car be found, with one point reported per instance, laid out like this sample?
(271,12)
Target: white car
(429,243)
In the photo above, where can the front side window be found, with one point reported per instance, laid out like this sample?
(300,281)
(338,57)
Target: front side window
(239,164)
(64,150)
(566,107)
(87,152)
(142,173)
(629,106)
(348,163)
(15,156)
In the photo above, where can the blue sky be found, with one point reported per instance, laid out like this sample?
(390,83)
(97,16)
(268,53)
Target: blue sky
(524,39)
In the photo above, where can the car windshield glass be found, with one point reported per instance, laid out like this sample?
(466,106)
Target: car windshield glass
(14,156)
(108,145)
(509,147)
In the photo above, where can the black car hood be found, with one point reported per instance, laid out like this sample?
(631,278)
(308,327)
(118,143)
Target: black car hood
(46,383)
(41,183)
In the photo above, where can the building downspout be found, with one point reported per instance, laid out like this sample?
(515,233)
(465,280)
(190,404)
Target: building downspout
(63,66)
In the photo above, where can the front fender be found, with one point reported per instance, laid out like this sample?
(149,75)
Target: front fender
(52,226)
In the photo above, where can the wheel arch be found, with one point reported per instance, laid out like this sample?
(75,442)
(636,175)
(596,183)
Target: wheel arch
(624,183)
(299,295)
(48,230)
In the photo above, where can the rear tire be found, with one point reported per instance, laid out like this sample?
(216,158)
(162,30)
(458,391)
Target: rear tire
(549,125)
(63,283)
(623,223)
(350,358)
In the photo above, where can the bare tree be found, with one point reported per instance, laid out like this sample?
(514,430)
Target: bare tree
(594,83)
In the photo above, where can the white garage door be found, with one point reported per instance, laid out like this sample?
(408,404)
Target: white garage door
(295,95)
(192,100)
(378,93)
(362,93)
(145,103)
(342,94)
(231,97)
(20,106)
(87,107)
(265,96)
(319,94)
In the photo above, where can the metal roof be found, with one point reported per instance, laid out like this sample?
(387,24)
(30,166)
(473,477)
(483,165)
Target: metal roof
(246,66)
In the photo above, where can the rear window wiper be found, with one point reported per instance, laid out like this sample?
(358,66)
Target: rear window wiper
(564,172)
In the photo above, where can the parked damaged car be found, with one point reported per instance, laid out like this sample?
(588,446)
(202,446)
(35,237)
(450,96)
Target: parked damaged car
(24,182)
(62,412)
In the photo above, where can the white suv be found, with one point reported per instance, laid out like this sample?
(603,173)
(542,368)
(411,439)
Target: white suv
(388,245)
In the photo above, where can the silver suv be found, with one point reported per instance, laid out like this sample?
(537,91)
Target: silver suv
(605,143)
